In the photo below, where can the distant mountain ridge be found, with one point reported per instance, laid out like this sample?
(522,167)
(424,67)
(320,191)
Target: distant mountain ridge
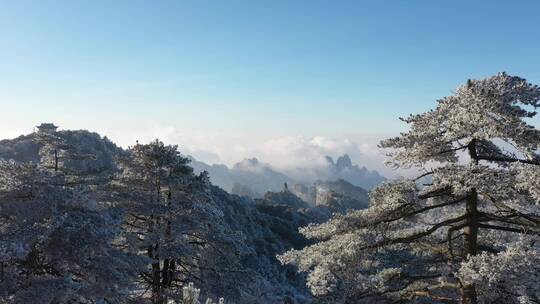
(343,168)
(253,178)
(250,175)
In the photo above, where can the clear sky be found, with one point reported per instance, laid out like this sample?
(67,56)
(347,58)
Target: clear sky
(227,78)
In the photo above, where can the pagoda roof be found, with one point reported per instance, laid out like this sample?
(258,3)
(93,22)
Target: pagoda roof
(47,126)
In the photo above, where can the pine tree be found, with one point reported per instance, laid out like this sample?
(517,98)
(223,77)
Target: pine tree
(467,230)
(169,217)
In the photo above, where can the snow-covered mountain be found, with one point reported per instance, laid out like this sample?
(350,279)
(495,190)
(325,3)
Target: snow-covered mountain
(269,224)
(25,148)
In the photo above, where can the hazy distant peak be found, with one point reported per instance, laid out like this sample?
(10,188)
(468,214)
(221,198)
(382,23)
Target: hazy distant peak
(250,164)
(343,168)
(330,160)
(344,162)
(341,163)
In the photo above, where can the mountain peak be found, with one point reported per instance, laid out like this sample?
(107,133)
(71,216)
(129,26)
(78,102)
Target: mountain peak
(344,162)
(330,160)
(249,164)
(252,161)
(343,168)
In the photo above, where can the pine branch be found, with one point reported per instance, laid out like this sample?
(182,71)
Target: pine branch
(508,159)
(509,229)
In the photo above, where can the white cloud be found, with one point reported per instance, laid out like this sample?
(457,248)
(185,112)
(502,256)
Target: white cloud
(283,153)
(288,153)
(299,151)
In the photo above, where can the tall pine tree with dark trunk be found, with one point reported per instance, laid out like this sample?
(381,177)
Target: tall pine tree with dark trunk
(170,218)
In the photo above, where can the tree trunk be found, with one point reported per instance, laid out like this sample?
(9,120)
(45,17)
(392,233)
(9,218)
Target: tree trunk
(471,230)
(157,296)
(55,160)
(168,264)
(471,236)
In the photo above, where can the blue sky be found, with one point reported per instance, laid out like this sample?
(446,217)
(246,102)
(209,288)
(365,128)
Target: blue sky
(213,75)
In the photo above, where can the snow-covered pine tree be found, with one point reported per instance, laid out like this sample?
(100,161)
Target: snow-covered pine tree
(190,295)
(466,232)
(170,218)
(55,151)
